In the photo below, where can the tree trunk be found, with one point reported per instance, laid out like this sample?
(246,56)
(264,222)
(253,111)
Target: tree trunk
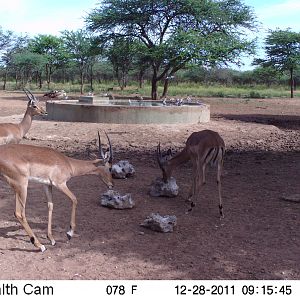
(124,80)
(5,79)
(48,76)
(141,77)
(81,82)
(91,78)
(165,91)
(40,80)
(154,95)
(16,79)
(292,82)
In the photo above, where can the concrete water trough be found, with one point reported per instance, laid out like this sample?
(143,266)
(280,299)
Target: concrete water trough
(103,110)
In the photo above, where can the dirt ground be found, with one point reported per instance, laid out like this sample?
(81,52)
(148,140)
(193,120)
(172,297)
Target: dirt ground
(259,238)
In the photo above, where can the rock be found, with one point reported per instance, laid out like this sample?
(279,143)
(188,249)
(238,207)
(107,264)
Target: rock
(113,199)
(122,169)
(161,189)
(292,198)
(160,223)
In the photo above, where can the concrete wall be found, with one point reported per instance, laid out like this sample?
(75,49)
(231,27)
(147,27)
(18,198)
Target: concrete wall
(75,112)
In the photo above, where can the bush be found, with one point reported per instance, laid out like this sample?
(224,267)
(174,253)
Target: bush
(255,95)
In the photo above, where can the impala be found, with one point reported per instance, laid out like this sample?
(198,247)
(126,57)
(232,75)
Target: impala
(20,163)
(13,133)
(202,148)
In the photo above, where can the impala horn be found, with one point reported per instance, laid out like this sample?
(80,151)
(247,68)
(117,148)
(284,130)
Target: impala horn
(108,155)
(158,156)
(30,96)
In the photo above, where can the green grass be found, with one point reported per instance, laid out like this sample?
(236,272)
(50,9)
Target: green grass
(177,90)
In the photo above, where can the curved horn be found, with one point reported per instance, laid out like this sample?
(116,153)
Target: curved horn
(29,95)
(158,156)
(101,154)
(110,149)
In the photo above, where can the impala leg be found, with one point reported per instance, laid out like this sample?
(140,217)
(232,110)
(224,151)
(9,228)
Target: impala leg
(219,172)
(203,174)
(21,195)
(48,192)
(192,191)
(197,183)
(63,187)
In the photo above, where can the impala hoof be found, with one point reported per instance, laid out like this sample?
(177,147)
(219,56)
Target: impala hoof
(43,248)
(52,241)
(70,234)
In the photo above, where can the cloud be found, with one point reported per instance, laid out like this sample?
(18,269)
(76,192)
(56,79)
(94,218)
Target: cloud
(43,16)
(280,15)
(11,6)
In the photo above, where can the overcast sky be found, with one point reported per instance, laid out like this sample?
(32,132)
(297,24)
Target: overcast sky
(52,16)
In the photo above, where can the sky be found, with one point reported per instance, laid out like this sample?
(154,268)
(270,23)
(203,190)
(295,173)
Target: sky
(53,16)
(44,16)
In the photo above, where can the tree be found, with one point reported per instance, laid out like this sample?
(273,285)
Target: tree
(282,52)
(176,32)
(5,38)
(13,44)
(121,56)
(26,64)
(6,42)
(81,49)
(52,48)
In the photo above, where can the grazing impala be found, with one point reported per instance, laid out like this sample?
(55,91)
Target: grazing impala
(13,133)
(22,163)
(201,148)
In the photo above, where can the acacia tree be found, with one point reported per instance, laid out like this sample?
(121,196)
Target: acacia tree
(6,42)
(26,64)
(282,53)
(121,56)
(81,49)
(13,44)
(176,32)
(51,47)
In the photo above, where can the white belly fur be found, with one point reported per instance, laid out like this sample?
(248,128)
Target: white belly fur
(40,180)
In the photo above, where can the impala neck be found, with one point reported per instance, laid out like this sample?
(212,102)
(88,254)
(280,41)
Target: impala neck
(175,161)
(83,167)
(26,122)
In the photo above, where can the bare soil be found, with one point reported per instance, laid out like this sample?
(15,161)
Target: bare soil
(259,238)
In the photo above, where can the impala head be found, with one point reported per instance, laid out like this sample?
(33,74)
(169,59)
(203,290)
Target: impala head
(33,105)
(162,160)
(106,157)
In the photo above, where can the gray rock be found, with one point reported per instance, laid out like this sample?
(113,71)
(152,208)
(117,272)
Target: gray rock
(122,169)
(291,198)
(160,223)
(113,199)
(159,188)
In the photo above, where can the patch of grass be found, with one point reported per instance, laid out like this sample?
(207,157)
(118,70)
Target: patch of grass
(175,90)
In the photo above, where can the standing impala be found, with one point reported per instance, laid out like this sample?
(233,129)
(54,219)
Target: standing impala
(22,163)
(13,133)
(201,148)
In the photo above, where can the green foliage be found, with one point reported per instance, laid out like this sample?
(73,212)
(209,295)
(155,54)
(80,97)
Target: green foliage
(5,38)
(48,45)
(177,32)
(81,50)
(121,55)
(282,50)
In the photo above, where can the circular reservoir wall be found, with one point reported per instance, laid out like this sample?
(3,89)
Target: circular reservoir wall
(127,112)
